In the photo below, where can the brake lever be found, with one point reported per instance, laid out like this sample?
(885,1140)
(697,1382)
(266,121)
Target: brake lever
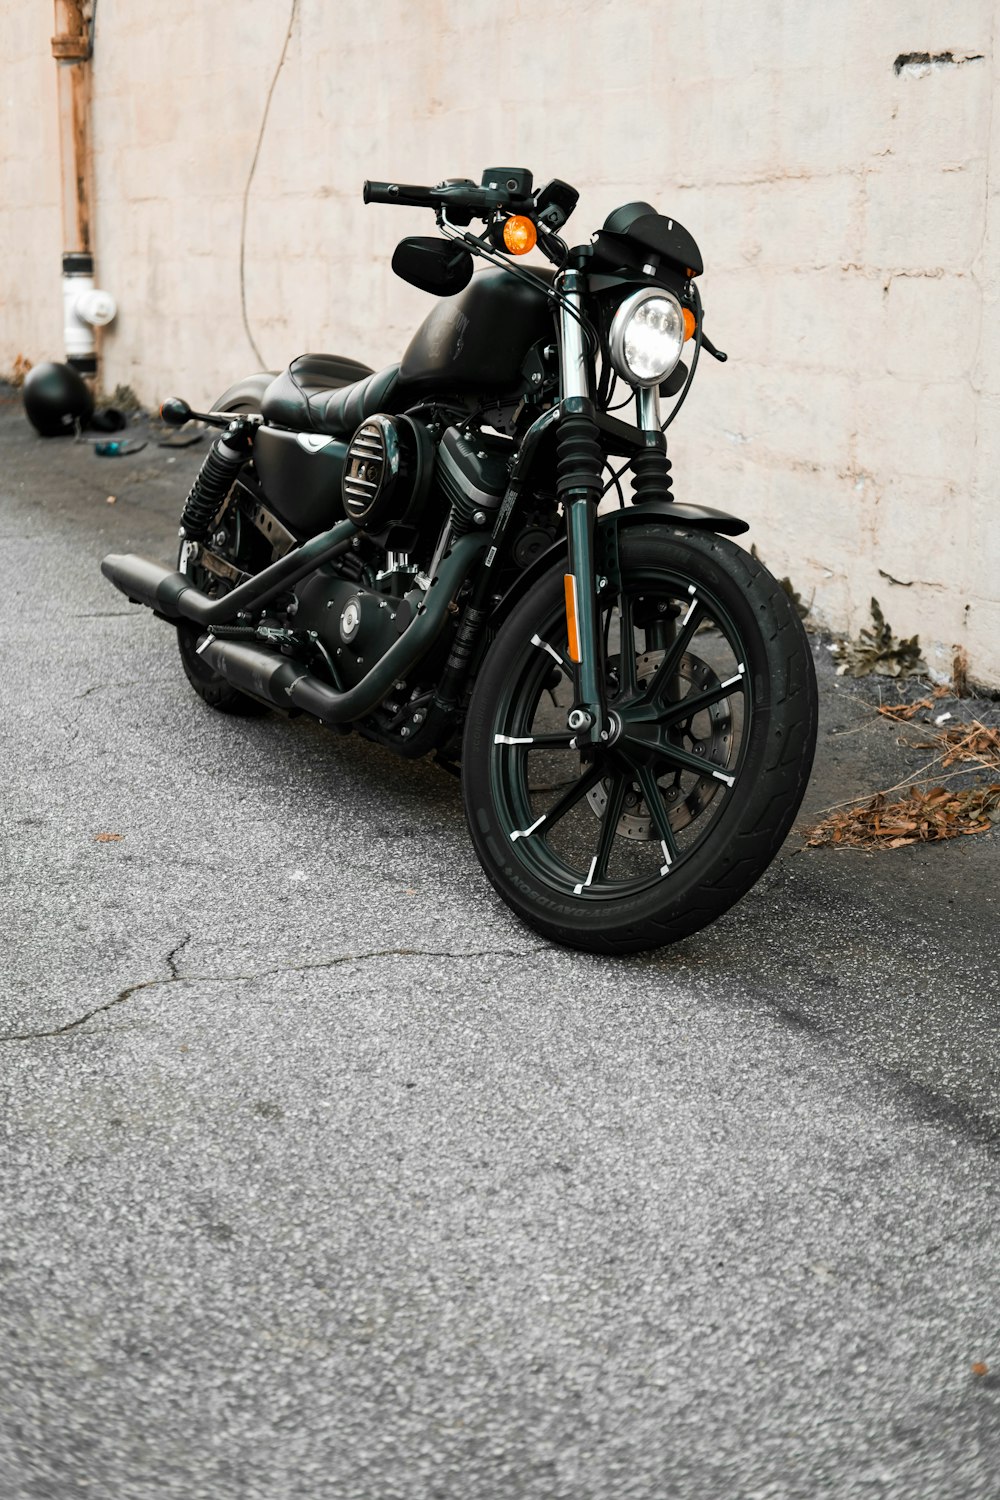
(706,343)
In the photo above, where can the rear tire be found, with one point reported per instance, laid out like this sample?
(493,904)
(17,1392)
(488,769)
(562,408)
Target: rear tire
(653,837)
(210,686)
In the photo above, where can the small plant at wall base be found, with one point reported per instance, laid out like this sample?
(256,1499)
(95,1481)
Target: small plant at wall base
(960,673)
(123,398)
(880,652)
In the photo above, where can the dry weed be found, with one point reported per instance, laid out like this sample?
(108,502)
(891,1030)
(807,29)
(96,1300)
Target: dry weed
(879,651)
(919,817)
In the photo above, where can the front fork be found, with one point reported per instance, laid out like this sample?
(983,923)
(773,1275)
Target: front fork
(580,474)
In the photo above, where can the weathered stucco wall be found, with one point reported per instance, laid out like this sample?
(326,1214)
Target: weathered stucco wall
(31,314)
(843,201)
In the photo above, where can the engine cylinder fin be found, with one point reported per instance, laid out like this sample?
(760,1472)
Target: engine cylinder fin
(473,472)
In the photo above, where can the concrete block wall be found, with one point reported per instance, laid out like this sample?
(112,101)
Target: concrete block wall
(842,196)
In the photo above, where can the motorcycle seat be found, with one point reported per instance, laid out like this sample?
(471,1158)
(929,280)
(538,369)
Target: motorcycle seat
(297,397)
(343,410)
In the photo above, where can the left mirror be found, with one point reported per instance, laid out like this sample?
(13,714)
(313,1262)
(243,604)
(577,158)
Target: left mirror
(434,265)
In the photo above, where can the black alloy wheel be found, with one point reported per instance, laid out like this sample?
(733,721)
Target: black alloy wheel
(711,686)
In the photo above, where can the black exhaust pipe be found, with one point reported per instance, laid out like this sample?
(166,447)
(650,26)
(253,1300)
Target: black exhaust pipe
(173,595)
(274,678)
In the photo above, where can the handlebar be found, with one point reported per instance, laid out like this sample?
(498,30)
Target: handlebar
(397,192)
(464,196)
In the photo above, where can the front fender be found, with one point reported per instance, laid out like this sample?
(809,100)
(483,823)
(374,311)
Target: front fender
(665,512)
(674,513)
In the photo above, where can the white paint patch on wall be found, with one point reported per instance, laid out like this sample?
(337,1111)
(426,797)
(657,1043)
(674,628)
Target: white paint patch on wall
(834,166)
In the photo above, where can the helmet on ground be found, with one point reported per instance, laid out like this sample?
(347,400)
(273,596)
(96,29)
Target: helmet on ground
(56,398)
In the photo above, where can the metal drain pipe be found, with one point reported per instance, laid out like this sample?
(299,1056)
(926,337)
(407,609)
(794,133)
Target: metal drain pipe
(85,307)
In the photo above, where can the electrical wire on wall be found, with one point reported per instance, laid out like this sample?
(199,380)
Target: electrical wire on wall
(292,14)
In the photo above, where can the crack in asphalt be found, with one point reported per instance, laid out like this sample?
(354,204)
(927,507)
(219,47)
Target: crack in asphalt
(175,977)
(104,687)
(175,953)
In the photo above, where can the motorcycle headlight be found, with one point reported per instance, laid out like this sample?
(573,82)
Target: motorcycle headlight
(647,336)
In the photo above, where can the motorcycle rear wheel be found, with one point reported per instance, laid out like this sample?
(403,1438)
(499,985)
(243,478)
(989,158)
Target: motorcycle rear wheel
(710,675)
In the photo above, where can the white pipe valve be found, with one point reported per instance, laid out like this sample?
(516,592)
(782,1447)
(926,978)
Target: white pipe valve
(95,307)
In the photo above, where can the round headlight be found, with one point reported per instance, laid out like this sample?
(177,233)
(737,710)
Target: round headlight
(647,336)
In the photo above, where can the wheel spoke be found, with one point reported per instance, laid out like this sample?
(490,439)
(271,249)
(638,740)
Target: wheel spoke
(654,801)
(563,804)
(696,763)
(609,827)
(686,708)
(563,741)
(627,684)
(668,666)
(558,657)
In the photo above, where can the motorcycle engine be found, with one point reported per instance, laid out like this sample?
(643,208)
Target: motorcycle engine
(350,625)
(400,487)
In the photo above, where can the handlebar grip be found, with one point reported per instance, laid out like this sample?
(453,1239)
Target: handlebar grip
(400,193)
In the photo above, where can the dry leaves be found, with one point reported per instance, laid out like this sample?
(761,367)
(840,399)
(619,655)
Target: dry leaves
(969,742)
(923,812)
(919,817)
(902,713)
(879,651)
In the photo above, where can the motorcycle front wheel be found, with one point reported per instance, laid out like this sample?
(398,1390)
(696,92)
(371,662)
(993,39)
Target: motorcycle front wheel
(712,692)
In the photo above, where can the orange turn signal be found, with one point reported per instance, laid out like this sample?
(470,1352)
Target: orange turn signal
(519,235)
(689,323)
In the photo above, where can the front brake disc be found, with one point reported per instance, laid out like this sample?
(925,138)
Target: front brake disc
(688,800)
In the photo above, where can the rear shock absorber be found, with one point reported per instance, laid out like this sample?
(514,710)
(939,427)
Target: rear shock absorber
(214,480)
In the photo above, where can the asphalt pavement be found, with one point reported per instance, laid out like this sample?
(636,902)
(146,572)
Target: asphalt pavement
(323,1177)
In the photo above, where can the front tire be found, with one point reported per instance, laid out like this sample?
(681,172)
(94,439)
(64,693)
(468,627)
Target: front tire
(709,673)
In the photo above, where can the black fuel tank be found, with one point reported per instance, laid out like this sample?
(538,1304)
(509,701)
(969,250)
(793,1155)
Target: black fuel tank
(477,341)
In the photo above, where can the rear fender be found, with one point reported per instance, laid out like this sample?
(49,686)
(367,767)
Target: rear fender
(246,395)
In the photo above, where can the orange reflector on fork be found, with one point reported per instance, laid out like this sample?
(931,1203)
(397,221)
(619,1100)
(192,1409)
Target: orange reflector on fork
(572,628)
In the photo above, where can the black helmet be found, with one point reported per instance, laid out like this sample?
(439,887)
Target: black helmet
(56,398)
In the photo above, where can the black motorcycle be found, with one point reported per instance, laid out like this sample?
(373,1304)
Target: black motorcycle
(421,554)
